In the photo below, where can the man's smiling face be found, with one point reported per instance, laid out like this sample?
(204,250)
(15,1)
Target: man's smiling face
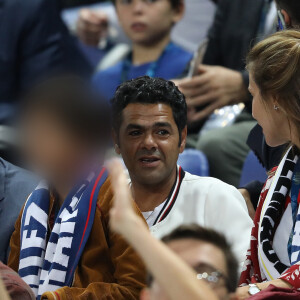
(149,142)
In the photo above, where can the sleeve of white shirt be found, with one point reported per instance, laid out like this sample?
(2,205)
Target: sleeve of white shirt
(226,212)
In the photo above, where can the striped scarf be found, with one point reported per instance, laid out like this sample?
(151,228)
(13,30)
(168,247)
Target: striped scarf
(272,227)
(48,266)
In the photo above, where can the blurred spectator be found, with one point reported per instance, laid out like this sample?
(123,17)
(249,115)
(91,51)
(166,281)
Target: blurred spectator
(208,253)
(148,25)
(16,288)
(34,43)
(92,26)
(65,130)
(15,186)
(188,33)
(3,292)
(222,81)
(149,118)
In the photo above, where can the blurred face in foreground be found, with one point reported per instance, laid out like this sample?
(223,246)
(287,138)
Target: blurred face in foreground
(147,21)
(149,143)
(51,149)
(203,257)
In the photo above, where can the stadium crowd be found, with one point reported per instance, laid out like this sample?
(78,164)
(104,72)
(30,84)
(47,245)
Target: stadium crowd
(149,149)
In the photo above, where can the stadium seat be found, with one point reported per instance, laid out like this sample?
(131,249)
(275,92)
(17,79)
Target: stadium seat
(252,170)
(194,162)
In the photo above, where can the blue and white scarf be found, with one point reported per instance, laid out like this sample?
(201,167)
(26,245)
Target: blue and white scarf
(50,266)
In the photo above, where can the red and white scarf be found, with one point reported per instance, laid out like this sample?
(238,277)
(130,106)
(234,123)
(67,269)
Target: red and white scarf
(267,257)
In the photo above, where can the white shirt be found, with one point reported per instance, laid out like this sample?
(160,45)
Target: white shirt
(151,216)
(207,202)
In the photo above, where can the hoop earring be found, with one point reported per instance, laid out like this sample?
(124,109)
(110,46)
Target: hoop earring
(276,107)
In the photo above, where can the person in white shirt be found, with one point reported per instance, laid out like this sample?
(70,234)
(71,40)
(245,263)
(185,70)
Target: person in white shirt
(150,129)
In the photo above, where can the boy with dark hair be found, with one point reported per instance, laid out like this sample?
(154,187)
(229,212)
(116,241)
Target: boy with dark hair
(149,117)
(62,246)
(208,253)
(148,24)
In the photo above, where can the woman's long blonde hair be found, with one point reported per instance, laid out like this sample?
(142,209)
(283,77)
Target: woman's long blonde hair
(274,64)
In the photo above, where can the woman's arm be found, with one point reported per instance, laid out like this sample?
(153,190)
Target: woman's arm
(174,276)
(242,292)
(290,279)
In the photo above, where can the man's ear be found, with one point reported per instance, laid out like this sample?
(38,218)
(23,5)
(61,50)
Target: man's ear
(179,12)
(145,294)
(183,139)
(116,142)
(287,18)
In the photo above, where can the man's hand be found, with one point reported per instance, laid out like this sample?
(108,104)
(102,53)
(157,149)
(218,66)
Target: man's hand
(91,26)
(215,87)
(123,219)
(249,204)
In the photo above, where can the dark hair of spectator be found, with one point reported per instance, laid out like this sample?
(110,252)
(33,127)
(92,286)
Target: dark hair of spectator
(74,104)
(292,7)
(175,3)
(210,236)
(147,90)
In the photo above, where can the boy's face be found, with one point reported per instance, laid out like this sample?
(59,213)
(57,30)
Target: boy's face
(147,21)
(50,148)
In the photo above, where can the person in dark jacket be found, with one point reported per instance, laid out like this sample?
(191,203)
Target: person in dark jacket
(34,43)
(222,81)
(15,185)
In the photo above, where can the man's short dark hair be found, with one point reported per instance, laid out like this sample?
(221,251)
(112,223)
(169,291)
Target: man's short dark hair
(175,3)
(72,102)
(292,7)
(147,90)
(210,236)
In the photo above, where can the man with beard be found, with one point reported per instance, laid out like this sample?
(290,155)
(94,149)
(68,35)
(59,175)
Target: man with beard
(150,116)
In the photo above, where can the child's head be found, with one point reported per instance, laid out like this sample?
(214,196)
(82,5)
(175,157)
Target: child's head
(146,22)
(64,128)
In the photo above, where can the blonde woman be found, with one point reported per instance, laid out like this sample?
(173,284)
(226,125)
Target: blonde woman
(274,257)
